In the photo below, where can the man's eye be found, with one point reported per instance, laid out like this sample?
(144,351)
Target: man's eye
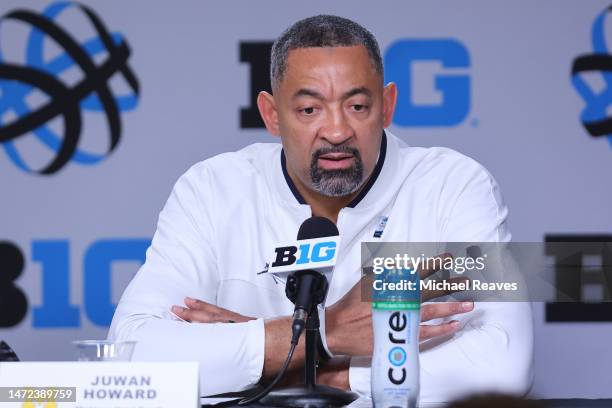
(308,111)
(359,108)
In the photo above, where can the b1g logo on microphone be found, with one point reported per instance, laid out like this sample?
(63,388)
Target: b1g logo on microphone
(305,254)
(55,86)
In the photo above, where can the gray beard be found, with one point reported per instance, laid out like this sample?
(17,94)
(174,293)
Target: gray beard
(336,183)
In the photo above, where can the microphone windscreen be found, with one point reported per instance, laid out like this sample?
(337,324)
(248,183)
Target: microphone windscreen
(317,227)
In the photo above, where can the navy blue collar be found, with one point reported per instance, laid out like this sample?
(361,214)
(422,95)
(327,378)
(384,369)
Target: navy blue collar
(364,190)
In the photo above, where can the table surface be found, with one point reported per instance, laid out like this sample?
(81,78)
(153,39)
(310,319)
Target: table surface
(367,403)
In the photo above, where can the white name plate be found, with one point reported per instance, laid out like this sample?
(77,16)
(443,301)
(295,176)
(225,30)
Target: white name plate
(99,384)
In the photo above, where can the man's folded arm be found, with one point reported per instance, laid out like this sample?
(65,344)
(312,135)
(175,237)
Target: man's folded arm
(181,262)
(492,352)
(231,356)
(494,349)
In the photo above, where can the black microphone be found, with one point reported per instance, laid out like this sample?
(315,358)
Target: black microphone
(307,288)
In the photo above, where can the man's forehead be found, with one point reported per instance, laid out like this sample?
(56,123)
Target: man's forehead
(344,66)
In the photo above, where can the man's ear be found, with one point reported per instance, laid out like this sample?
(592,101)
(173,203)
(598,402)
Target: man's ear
(268,112)
(389,101)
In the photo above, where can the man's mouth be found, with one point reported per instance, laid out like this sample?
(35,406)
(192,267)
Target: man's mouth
(333,161)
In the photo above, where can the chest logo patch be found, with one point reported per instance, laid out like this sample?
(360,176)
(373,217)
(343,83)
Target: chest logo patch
(380,228)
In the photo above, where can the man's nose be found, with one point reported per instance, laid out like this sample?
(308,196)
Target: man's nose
(336,129)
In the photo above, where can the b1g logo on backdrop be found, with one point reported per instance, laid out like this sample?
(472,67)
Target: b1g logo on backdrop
(53,257)
(595,116)
(449,102)
(52,84)
(584,274)
(431,76)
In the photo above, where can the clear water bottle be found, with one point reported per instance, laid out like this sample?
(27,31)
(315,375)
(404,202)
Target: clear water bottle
(395,321)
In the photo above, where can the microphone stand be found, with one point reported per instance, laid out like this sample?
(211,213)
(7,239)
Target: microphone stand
(310,394)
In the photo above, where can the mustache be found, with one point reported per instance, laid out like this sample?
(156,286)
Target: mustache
(336,149)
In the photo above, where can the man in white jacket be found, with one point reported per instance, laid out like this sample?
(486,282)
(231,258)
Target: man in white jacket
(329,107)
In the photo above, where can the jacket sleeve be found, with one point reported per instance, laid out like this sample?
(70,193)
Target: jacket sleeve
(181,262)
(493,351)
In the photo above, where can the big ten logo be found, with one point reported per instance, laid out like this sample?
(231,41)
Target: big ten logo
(430,74)
(412,64)
(56,309)
(308,253)
(61,71)
(582,276)
(592,79)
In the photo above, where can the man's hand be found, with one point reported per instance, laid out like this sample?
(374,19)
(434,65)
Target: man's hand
(348,322)
(198,311)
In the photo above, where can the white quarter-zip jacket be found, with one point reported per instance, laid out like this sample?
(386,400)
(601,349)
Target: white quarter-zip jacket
(226,214)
